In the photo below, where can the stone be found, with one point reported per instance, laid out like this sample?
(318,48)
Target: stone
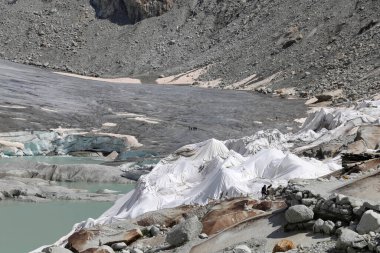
(203,236)
(184,232)
(370,135)
(349,238)
(328,227)
(284,245)
(55,249)
(370,221)
(119,246)
(309,201)
(154,231)
(136,250)
(101,249)
(298,213)
(298,196)
(318,226)
(242,249)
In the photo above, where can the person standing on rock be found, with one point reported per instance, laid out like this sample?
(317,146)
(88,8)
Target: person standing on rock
(265,191)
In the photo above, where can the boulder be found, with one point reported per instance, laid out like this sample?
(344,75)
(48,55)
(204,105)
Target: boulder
(242,249)
(119,246)
(370,135)
(370,221)
(328,227)
(283,246)
(318,226)
(349,238)
(298,213)
(154,231)
(184,232)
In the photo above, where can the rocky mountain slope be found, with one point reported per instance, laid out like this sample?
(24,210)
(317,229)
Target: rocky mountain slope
(311,45)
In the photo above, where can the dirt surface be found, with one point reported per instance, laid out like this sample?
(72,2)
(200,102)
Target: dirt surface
(163,118)
(365,188)
(312,45)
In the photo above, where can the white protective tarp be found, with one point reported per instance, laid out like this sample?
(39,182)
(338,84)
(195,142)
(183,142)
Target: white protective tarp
(213,169)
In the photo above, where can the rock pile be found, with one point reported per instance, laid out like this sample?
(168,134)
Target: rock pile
(356,223)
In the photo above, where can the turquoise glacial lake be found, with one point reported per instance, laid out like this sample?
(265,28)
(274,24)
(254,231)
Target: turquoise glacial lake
(26,226)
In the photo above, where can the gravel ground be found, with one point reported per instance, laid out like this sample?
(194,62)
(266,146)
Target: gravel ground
(325,246)
(315,45)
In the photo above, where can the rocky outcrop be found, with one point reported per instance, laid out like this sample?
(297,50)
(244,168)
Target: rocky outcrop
(140,9)
(130,11)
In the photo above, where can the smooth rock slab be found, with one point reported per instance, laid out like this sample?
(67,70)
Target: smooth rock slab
(370,221)
(298,213)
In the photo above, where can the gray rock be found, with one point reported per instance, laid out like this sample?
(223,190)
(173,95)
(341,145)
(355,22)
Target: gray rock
(298,213)
(328,227)
(136,250)
(318,226)
(154,231)
(349,238)
(242,249)
(309,201)
(298,196)
(119,246)
(370,221)
(338,224)
(184,232)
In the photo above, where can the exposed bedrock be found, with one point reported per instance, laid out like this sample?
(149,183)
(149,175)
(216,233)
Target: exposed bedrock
(130,11)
